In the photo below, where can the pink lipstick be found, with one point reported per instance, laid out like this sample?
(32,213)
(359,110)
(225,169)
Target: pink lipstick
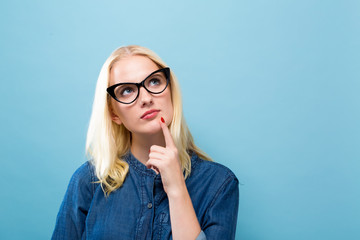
(150,114)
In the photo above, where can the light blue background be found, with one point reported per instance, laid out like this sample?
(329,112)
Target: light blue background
(271,90)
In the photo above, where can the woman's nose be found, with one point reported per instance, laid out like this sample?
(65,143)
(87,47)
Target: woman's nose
(145,97)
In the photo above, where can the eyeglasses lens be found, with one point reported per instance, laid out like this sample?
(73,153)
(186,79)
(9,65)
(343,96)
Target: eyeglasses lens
(155,83)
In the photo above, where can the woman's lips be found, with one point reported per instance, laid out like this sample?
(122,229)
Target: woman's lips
(150,114)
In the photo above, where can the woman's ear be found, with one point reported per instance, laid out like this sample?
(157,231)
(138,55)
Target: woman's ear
(115,118)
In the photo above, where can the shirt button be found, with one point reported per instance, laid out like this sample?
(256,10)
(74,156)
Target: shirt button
(149,205)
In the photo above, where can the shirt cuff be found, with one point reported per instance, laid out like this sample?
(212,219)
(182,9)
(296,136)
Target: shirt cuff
(201,236)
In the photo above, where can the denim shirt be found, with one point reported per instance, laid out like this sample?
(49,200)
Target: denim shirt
(139,209)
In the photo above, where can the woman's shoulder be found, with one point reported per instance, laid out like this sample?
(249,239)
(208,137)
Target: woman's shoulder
(211,168)
(84,171)
(85,174)
(83,180)
(210,183)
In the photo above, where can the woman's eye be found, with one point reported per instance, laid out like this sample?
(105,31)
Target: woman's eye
(126,91)
(154,81)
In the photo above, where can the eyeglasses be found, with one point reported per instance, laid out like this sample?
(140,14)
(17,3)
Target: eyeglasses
(155,83)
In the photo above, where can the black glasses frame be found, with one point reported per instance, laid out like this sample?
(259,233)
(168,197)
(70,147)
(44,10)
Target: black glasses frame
(111,90)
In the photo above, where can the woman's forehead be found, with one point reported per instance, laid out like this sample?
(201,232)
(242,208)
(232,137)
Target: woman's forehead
(132,69)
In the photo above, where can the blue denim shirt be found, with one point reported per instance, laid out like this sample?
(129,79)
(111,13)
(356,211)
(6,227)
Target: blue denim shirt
(139,209)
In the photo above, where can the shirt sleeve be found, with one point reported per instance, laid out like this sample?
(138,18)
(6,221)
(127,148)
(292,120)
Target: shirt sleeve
(221,217)
(70,221)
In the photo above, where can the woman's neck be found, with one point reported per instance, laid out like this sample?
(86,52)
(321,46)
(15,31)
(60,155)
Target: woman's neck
(141,144)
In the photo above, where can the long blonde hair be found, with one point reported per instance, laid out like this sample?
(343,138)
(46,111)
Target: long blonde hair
(107,142)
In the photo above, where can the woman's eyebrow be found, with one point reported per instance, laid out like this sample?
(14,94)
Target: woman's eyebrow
(153,73)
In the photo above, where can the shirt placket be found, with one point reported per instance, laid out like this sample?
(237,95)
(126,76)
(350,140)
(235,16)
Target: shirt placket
(146,222)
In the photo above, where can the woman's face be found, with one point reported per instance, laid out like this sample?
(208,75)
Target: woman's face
(134,69)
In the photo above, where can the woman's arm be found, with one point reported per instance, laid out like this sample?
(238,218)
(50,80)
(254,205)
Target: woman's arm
(184,223)
(221,216)
(70,222)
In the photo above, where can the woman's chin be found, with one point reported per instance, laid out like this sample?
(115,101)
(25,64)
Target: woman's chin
(153,131)
(149,130)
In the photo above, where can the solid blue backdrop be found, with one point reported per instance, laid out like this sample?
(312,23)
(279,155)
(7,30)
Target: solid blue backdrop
(270,88)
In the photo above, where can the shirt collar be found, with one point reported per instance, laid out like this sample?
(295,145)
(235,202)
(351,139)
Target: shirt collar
(142,169)
(137,165)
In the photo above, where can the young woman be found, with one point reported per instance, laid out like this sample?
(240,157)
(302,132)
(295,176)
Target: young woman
(146,179)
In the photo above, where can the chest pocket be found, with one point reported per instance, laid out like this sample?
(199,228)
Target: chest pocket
(164,231)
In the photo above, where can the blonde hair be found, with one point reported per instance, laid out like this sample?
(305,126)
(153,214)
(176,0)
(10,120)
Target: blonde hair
(107,142)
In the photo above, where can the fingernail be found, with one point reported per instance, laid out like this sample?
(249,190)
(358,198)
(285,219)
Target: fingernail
(162,119)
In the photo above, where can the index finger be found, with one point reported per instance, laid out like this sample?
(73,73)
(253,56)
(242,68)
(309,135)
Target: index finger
(167,135)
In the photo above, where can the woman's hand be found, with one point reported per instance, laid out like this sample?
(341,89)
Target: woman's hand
(165,160)
(184,223)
